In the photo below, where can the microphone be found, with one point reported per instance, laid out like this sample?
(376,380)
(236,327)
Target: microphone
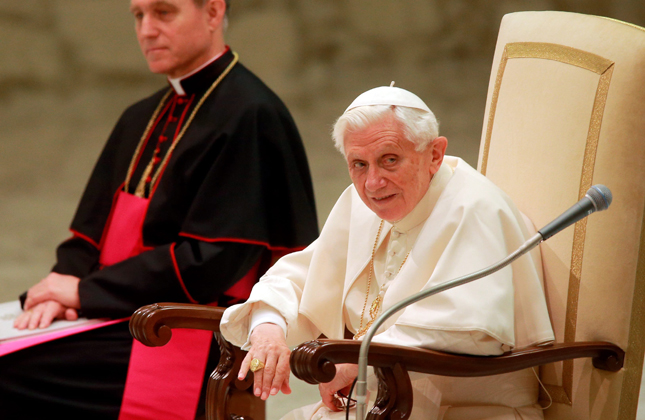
(597,198)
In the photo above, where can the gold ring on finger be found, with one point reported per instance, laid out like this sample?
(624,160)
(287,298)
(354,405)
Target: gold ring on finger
(256,365)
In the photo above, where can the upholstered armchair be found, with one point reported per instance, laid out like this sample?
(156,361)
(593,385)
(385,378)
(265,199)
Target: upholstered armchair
(565,110)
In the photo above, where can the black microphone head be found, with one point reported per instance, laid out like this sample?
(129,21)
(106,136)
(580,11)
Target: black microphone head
(600,196)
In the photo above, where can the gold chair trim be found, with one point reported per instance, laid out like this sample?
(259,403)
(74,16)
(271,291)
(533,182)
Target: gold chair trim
(628,405)
(604,68)
(631,25)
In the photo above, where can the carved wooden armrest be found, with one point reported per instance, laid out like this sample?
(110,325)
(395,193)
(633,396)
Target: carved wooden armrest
(314,362)
(225,395)
(152,324)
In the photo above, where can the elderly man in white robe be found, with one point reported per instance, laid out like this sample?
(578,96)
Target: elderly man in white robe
(411,219)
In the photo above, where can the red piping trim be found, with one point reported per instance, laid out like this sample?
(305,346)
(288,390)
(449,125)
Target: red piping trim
(240,240)
(84,237)
(181,281)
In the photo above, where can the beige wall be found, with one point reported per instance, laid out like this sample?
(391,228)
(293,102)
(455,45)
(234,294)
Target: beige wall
(69,67)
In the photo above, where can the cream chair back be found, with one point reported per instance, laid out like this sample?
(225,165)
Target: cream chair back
(566,110)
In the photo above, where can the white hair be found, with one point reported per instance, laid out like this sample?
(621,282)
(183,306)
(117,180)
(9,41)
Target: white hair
(419,126)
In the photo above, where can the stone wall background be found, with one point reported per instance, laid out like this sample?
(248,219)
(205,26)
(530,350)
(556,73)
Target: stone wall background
(68,68)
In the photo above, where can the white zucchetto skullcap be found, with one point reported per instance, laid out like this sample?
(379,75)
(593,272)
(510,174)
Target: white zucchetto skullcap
(389,95)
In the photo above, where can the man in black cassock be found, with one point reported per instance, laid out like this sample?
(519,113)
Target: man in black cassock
(199,186)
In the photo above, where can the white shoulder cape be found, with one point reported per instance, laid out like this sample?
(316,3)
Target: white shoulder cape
(473,225)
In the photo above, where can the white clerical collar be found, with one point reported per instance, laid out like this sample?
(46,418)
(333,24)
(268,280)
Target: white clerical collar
(422,210)
(176,82)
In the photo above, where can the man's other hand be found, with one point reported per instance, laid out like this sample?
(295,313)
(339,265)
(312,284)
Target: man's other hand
(345,375)
(61,288)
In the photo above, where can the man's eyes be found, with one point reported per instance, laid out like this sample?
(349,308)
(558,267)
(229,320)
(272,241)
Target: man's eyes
(385,162)
(390,160)
(159,13)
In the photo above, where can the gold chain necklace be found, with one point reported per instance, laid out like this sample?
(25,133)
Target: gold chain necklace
(375,307)
(140,190)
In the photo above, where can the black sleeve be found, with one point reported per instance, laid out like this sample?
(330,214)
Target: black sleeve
(76,257)
(268,190)
(200,271)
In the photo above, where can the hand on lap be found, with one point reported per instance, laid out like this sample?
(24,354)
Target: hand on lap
(57,287)
(43,314)
(345,375)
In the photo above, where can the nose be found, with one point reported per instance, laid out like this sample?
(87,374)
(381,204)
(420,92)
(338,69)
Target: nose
(375,179)
(146,27)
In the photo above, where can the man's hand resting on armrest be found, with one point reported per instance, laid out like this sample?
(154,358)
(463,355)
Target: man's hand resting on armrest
(268,345)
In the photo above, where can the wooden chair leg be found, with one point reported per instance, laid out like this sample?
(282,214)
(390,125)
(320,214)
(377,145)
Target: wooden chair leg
(227,398)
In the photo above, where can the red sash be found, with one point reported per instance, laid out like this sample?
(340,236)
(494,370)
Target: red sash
(124,238)
(162,382)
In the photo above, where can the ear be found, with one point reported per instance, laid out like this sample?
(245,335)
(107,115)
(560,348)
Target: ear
(216,10)
(438,151)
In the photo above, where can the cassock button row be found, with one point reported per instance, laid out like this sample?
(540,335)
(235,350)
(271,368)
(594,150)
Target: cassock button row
(388,274)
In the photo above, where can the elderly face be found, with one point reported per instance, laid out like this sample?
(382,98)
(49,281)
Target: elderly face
(390,176)
(176,36)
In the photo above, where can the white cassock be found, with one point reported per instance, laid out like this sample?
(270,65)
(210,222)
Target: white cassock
(463,223)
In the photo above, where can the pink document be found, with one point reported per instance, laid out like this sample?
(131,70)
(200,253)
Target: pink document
(10,346)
